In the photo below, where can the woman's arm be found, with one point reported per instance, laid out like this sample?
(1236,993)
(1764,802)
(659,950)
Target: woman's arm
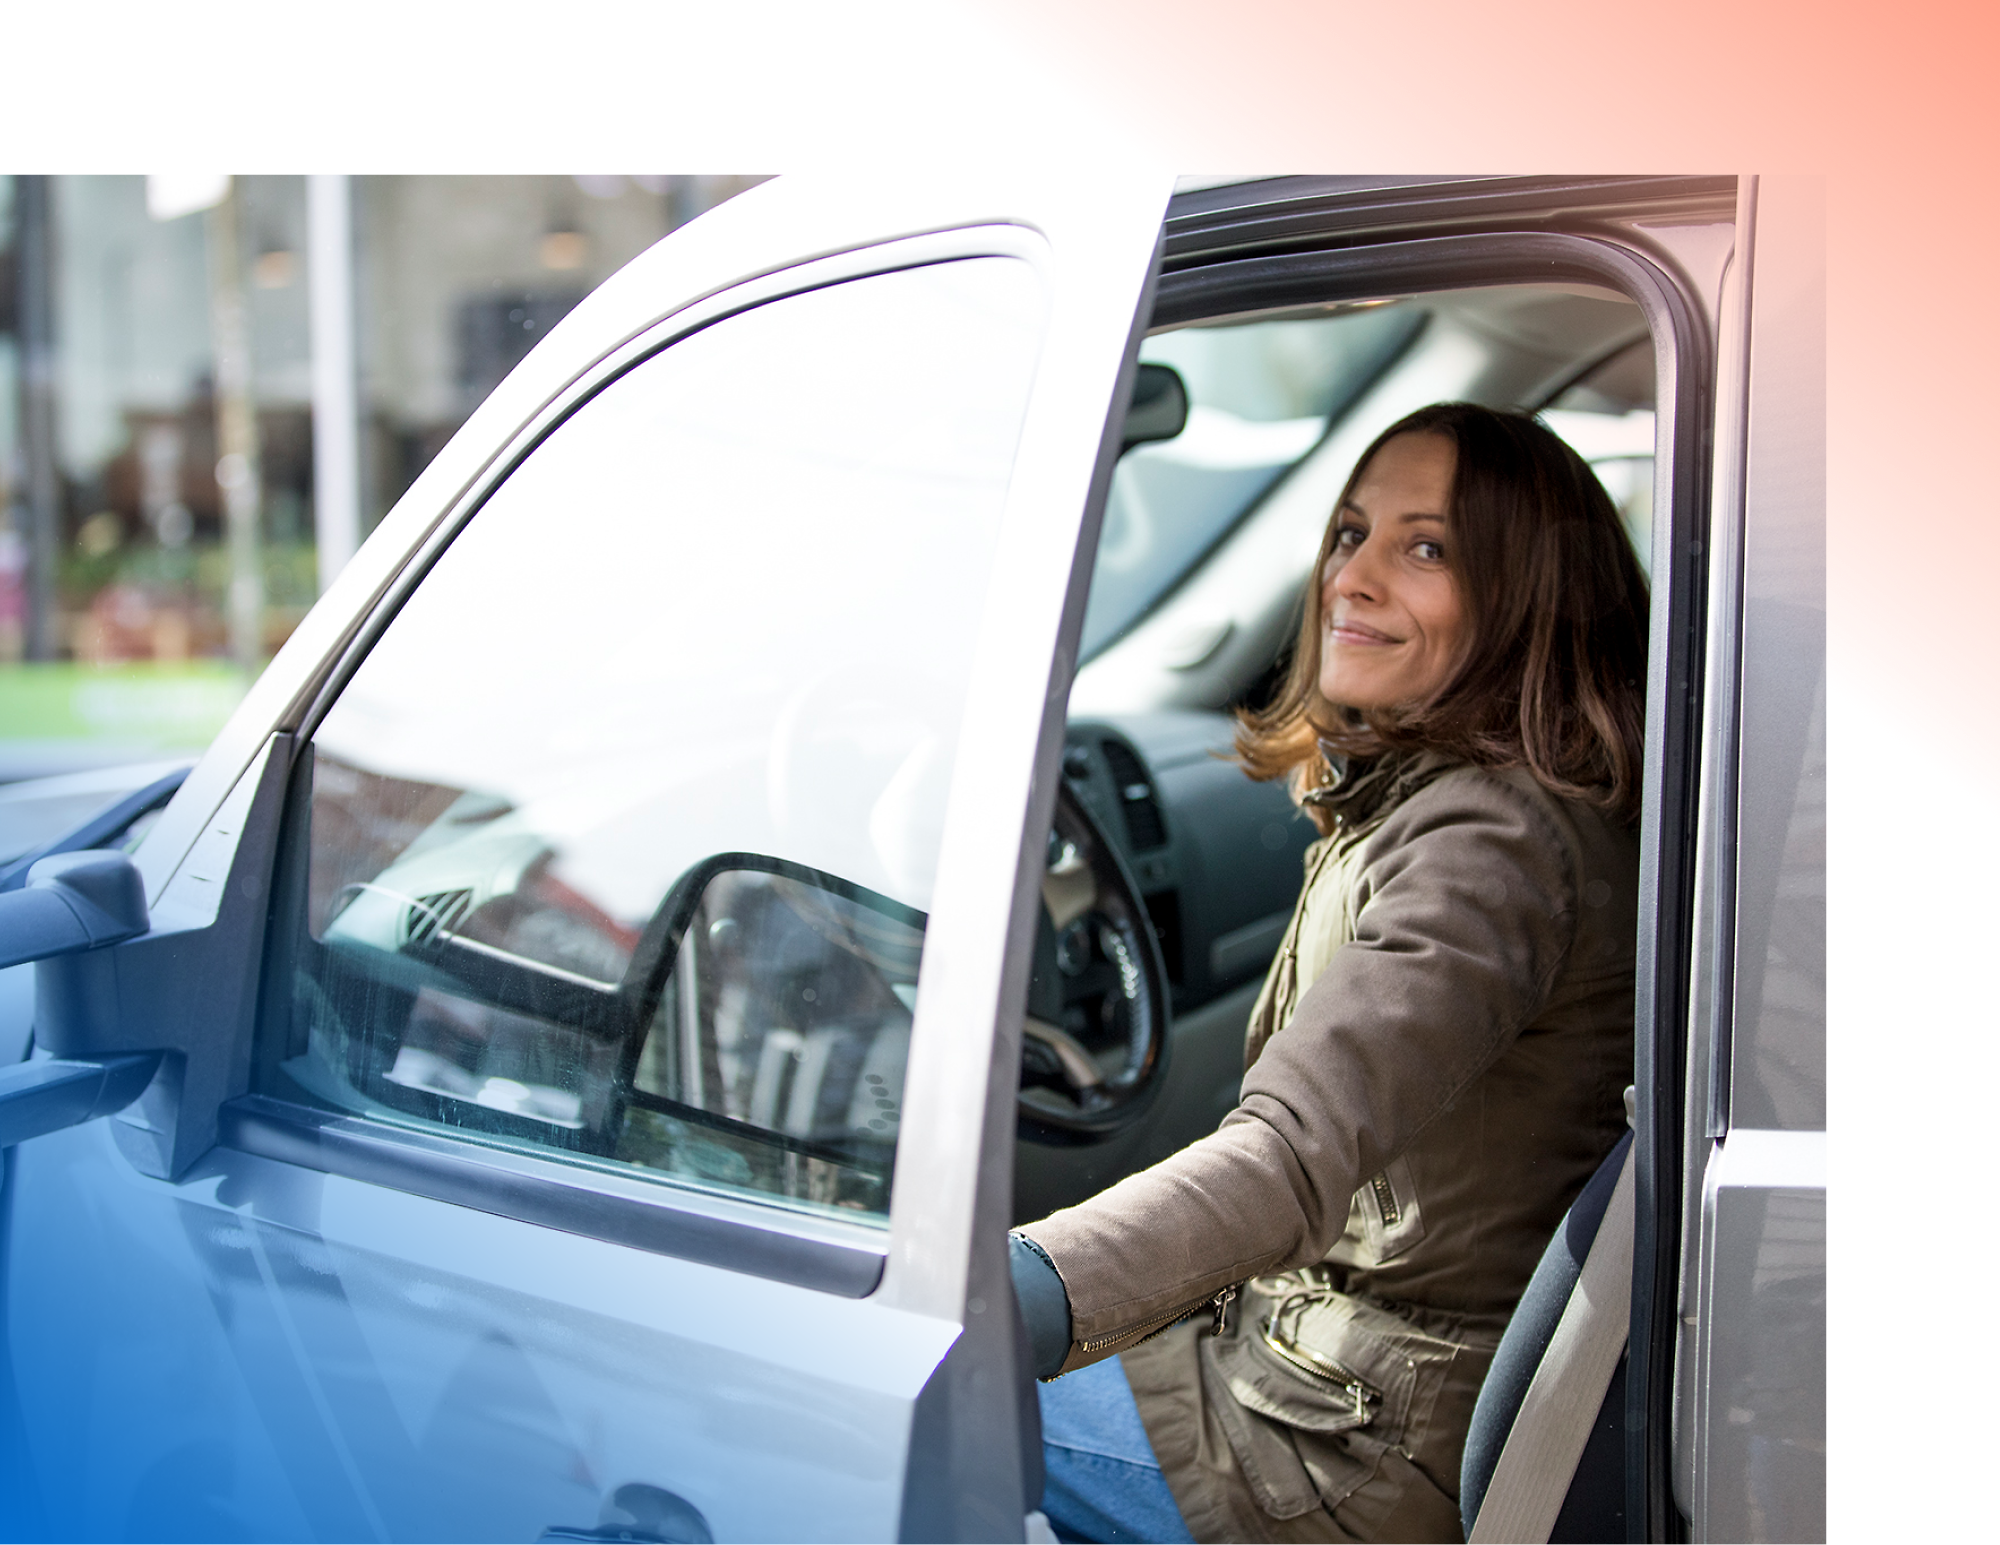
(1467,912)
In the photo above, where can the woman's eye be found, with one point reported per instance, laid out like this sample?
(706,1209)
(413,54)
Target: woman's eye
(1430,552)
(1348,538)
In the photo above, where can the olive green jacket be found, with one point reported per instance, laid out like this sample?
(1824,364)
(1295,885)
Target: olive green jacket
(1434,1068)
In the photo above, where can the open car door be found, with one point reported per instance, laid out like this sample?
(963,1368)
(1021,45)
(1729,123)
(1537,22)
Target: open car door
(578,1077)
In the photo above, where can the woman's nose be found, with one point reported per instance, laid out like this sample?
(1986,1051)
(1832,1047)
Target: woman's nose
(1355,577)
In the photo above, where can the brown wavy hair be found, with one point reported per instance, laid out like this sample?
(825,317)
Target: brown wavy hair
(1551,673)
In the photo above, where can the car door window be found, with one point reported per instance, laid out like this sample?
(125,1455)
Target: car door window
(620,839)
(1608,416)
(1261,396)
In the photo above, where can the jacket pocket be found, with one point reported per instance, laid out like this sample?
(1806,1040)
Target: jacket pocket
(1392,1215)
(1313,1387)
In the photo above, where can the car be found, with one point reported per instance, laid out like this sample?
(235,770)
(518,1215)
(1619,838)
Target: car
(755,820)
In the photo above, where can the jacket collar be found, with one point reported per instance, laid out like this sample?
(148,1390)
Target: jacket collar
(1358,791)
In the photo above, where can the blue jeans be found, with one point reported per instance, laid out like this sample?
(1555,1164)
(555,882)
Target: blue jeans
(1104,1484)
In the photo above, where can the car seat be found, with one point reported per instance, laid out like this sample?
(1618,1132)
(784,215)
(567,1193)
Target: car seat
(1525,1417)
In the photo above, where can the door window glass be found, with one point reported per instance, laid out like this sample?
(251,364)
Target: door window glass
(1607,416)
(1260,396)
(622,837)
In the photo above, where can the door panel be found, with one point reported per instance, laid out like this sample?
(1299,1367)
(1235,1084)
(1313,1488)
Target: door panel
(322,1338)
(351,1362)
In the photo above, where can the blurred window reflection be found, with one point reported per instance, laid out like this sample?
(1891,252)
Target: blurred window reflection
(622,836)
(152,437)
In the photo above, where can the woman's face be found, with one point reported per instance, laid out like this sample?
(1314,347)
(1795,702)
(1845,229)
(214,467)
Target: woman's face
(1391,617)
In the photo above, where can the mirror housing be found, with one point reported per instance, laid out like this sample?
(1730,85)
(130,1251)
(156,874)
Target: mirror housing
(180,996)
(1159,406)
(72,902)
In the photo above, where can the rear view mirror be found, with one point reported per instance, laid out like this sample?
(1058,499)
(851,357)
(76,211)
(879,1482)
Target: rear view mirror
(1159,408)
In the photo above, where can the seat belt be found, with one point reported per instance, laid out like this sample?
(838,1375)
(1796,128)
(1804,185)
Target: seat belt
(1538,1461)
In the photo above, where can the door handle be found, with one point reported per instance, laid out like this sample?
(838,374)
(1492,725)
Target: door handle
(641,1515)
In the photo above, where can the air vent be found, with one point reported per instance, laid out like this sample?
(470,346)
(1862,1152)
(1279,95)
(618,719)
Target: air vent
(1135,796)
(428,916)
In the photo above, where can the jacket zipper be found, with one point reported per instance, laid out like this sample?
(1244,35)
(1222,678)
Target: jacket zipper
(1152,1328)
(1385,1198)
(1325,1369)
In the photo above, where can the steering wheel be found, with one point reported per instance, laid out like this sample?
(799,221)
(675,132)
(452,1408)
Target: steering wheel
(1094,1044)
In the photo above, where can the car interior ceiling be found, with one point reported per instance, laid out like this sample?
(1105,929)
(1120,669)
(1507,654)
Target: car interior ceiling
(1217,857)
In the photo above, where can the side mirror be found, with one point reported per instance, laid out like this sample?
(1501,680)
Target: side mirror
(72,902)
(125,989)
(1159,408)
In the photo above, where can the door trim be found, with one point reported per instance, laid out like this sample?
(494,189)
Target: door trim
(575,1196)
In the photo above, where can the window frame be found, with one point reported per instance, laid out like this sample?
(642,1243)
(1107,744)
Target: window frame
(572,1192)
(1210,277)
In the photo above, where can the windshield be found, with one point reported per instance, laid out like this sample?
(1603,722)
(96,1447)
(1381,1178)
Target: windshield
(1260,395)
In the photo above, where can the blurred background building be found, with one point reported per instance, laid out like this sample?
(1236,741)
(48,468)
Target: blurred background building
(212,388)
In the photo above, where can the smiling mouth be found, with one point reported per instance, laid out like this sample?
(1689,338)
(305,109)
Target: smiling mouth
(1356,633)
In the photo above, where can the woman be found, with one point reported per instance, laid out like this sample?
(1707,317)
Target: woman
(1437,1061)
